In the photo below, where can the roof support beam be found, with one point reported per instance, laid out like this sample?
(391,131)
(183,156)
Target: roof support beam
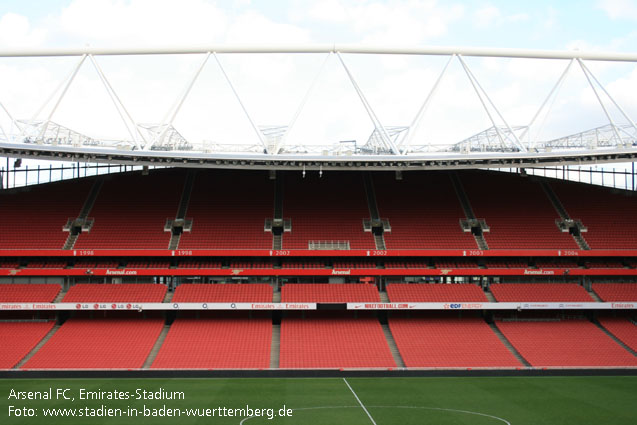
(415,123)
(372,115)
(245,111)
(599,99)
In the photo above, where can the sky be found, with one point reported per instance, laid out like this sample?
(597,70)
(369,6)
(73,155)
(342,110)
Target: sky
(272,87)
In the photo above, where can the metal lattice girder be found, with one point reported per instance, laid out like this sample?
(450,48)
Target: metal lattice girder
(384,144)
(489,141)
(604,136)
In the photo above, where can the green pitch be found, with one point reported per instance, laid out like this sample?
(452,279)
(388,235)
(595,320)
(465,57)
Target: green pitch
(326,401)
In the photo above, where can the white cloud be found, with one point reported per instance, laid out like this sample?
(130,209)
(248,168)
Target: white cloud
(16,31)
(619,9)
(144,21)
(487,16)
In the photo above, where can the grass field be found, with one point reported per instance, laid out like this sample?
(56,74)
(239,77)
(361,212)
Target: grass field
(325,401)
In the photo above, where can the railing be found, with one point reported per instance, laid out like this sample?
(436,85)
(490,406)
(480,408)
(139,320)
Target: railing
(622,178)
(328,245)
(19,176)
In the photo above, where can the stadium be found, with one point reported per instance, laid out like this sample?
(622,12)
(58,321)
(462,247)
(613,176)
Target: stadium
(384,282)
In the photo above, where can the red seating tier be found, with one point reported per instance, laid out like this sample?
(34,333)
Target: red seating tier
(18,339)
(423,211)
(333,341)
(616,291)
(435,292)
(28,292)
(449,342)
(606,215)
(125,292)
(540,292)
(98,344)
(329,293)
(223,343)
(622,328)
(516,209)
(131,210)
(565,343)
(229,209)
(229,293)
(34,218)
(328,208)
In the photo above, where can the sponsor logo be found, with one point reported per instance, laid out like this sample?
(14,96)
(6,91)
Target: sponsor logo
(463,306)
(121,272)
(96,306)
(385,306)
(539,272)
(341,272)
(623,305)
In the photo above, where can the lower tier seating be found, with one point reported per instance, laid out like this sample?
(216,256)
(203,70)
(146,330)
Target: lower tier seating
(329,293)
(236,342)
(540,292)
(622,328)
(449,342)
(435,292)
(333,341)
(574,343)
(18,338)
(109,343)
(616,291)
(28,292)
(119,293)
(218,293)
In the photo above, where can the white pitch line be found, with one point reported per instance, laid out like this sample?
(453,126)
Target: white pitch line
(360,402)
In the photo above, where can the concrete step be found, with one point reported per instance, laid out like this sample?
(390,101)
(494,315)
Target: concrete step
(276,297)
(393,348)
(275,346)
(490,297)
(168,297)
(383,297)
(510,346)
(155,350)
(614,338)
(39,345)
(60,296)
(594,295)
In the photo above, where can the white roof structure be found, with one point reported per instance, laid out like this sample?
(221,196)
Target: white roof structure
(502,145)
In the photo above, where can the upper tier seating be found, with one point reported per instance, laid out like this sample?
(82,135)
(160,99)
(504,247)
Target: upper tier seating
(34,218)
(565,343)
(333,341)
(118,293)
(616,291)
(435,292)
(423,211)
(234,342)
(622,328)
(328,208)
(18,339)
(516,209)
(28,292)
(131,210)
(540,292)
(607,215)
(449,342)
(329,293)
(98,344)
(228,293)
(229,209)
